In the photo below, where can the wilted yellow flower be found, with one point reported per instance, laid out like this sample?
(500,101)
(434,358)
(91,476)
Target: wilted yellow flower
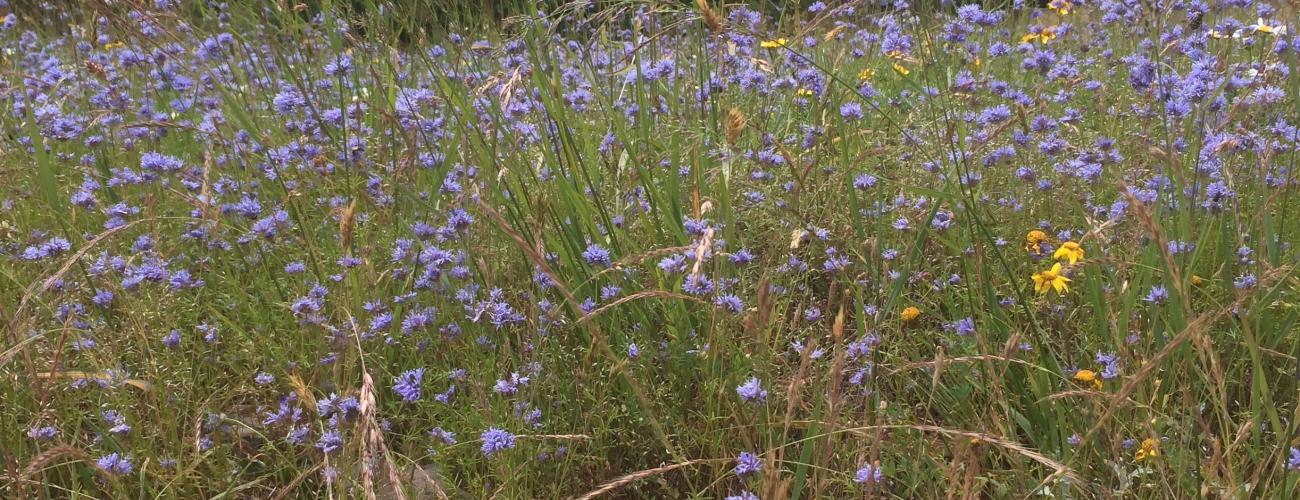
(866,74)
(1147,450)
(772,44)
(1088,377)
(1044,35)
(910,313)
(1032,239)
(1051,279)
(900,69)
(1197,280)
(114,45)
(1070,251)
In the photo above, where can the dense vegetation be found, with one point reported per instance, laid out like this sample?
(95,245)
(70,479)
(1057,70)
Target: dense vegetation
(649,251)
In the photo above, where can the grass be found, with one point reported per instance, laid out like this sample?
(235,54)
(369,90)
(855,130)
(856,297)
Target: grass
(643,239)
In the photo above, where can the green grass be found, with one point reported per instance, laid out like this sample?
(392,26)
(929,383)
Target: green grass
(1209,374)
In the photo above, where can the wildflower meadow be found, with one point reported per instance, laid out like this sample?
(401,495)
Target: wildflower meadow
(649,249)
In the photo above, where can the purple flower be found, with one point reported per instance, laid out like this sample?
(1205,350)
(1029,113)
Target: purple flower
(747,463)
(1157,295)
(115,464)
(330,441)
(868,474)
(1293,463)
(751,391)
(45,433)
(495,440)
(407,385)
(851,111)
(730,302)
(864,181)
(596,255)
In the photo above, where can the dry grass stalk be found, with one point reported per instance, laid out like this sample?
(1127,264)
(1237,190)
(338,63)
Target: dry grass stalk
(710,17)
(639,475)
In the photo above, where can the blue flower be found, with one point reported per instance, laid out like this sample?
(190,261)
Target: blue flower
(495,440)
(747,463)
(751,391)
(115,464)
(868,473)
(407,385)
(596,255)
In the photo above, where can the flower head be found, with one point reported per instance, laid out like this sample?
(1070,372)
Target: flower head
(115,464)
(1069,251)
(772,44)
(747,463)
(869,473)
(407,385)
(1149,449)
(1051,279)
(910,313)
(751,391)
(1043,35)
(495,440)
(1032,241)
(1087,377)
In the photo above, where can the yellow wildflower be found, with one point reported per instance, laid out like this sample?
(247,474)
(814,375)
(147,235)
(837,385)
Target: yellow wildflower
(1147,450)
(1070,251)
(1263,27)
(803,92)
(866,74)
(1197,280)
(1061,7)
(900,69)
(1032,239)
(772,44)
(1044,35)
(1088,377)
(895,54)
(114,45)
(1051,280)
(910,313)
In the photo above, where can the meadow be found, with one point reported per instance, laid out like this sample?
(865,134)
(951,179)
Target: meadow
(636,249)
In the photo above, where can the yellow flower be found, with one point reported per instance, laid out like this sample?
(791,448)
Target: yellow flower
(895,54)
(1088,377)
(1147,450)
(772,44)
(1051,280)
(976,63)
(1032,239)
(1262,27)
(898,68)
(866,74)
(1044,35)
(1197,280)
(803,92)
(1061,7)
(114,45)
(1070,251)
(910,313)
